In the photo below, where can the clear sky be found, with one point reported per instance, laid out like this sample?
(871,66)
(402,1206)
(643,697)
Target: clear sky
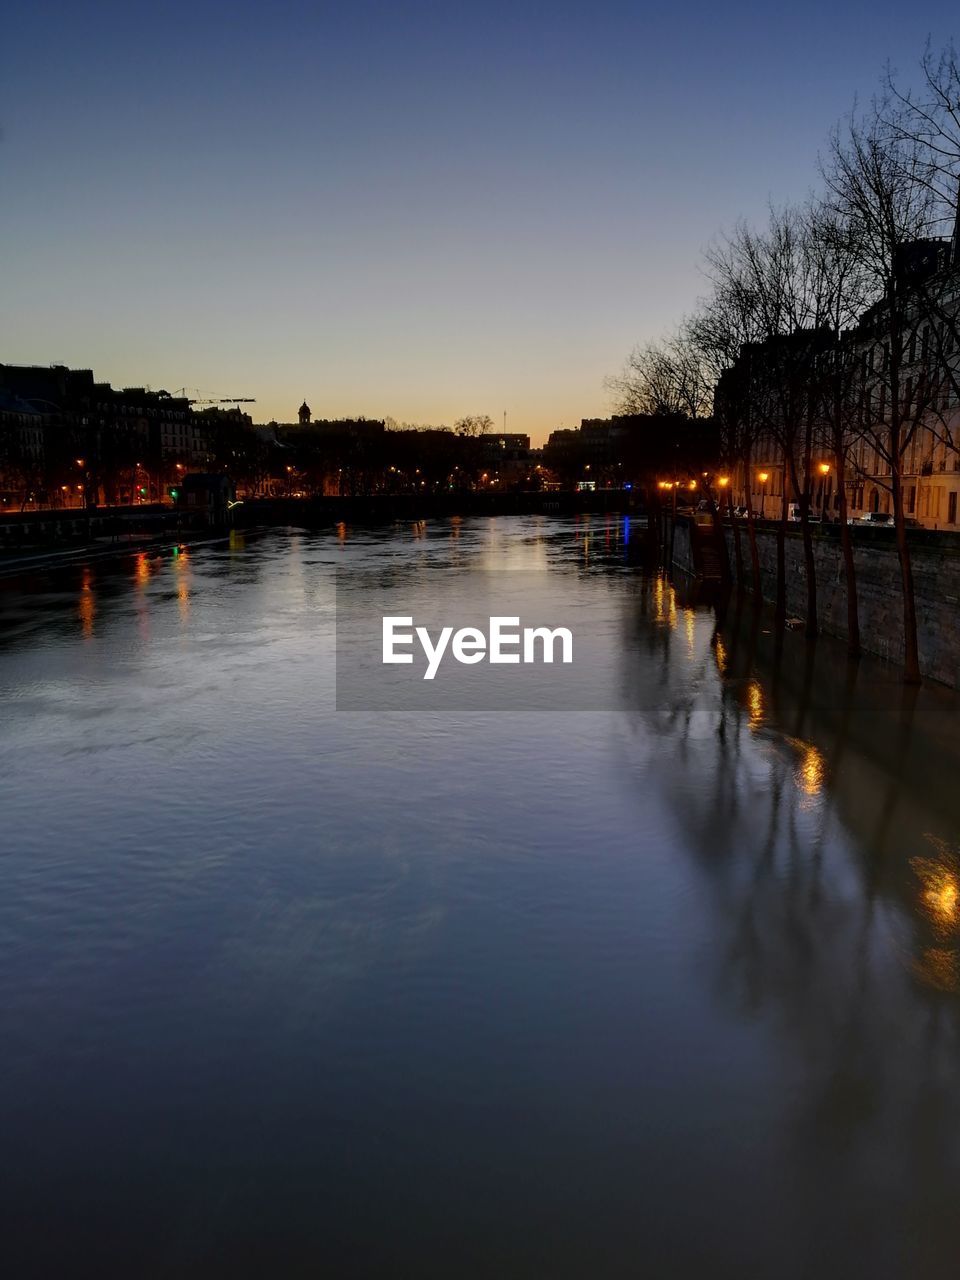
(415,210)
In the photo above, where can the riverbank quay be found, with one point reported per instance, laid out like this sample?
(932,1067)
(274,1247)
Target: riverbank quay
(15,564)
(18,562)
(936,569)
(35,532)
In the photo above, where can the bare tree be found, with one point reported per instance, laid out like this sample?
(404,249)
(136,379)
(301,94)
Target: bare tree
(880,187)
(783,296)
(667,377)
(721,331)
(477,425)
(926,119)
(837,389)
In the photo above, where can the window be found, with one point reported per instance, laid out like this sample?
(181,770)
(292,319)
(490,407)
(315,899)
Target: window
(912,499)
(952,508)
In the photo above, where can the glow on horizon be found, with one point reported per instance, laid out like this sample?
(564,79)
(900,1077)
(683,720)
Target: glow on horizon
(414,214)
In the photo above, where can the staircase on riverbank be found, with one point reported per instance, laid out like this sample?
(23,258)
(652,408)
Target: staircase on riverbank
(708,559)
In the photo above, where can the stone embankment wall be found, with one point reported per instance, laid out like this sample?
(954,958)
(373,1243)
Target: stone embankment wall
(936,571)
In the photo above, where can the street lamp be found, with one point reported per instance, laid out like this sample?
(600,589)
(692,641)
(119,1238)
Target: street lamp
(763,477)
(824,469)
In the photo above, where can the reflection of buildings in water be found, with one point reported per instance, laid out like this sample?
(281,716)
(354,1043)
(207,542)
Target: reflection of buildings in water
(497,549)
(824,924)
(141,569)
(690,626)
(877,760)
(664,601)
(720,653)
(756,707)
(939,901)
(142,572)
(87,604)
(811,767)
(656,676)
(181,568)
(940,888)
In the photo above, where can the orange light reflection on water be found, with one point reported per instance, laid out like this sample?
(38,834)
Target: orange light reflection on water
(756,705)
(87,604)
(720,650)
(181,568)
(812,770)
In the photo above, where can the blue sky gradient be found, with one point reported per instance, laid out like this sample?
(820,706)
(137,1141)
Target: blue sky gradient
(420,211)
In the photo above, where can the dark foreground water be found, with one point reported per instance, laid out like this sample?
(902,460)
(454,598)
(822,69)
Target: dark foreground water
(670,991)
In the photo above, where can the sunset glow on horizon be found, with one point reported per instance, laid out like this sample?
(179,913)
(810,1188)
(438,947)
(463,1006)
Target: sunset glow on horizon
(419,214)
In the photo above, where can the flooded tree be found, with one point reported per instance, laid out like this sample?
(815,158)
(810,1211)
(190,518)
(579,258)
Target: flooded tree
(879,186)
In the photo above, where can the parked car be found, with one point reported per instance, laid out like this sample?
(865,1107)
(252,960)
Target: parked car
(874,518)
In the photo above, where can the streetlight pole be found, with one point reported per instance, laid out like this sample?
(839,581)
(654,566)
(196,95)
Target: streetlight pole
(824,469)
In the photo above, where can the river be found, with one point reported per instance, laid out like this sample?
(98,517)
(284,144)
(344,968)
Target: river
(668,987)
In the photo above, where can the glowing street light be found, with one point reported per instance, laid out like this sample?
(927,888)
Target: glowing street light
(763,477)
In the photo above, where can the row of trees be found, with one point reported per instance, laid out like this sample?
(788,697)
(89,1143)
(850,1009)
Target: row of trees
(835,326)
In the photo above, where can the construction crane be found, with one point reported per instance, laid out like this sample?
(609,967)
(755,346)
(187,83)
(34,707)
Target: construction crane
(199,399)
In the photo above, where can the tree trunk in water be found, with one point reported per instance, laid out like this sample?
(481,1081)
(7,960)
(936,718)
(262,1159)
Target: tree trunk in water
(737,552)
(754,554)
(720,542)
(780,609)
(810,567)
(911,653)
(849,565)
(809,562)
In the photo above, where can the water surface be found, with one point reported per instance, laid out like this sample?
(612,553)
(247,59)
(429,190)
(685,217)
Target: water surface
(668,990)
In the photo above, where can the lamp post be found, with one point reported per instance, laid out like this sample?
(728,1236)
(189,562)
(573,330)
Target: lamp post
(763,477)
(723,484)
(824,469)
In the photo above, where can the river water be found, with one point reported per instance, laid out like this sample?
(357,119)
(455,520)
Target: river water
(666,989)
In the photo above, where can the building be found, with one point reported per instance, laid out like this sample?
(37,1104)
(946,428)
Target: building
(66,439)
(823,401)
(505,457)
